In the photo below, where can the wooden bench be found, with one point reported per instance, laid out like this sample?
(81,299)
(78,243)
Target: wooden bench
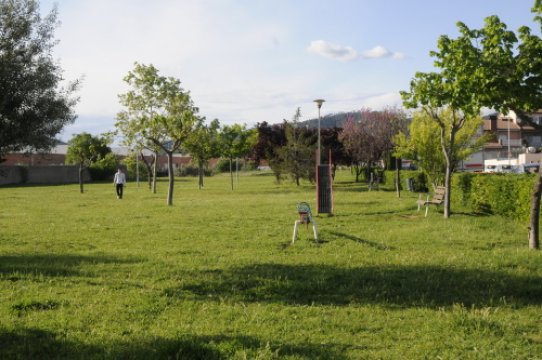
(305,217)
(437,199)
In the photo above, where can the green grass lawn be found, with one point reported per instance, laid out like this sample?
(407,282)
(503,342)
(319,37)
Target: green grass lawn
(87,276)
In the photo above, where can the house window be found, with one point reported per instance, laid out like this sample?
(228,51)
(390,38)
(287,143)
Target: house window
(537,119)
(534,140)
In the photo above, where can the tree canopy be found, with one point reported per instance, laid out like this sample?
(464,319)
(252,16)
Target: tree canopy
(424,147)
(86,150)
(34,107)
(158,112)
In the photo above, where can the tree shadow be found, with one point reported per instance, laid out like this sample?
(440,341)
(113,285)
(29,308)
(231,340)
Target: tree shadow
(403,286)
(14,267)
(40,344)
(358,240)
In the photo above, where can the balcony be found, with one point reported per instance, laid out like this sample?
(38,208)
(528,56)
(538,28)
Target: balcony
(513,142)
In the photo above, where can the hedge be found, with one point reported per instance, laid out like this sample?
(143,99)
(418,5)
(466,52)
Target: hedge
(501,194)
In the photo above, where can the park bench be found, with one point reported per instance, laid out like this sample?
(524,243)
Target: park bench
(437,199)
(305,217)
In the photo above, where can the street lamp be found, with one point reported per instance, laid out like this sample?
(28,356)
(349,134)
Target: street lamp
(319,103)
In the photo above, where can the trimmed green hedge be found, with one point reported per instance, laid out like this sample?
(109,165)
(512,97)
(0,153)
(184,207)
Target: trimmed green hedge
(501,194)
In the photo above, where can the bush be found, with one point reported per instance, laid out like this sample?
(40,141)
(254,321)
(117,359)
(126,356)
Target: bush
(418,179)
(223,165)
(104,169)
(131,164)
(191,170)
(462,187)
(501,194)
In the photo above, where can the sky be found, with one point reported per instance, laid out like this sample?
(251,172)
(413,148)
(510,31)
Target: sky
(250,61)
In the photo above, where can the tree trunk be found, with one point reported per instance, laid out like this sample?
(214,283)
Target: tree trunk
(171,177)
(149,169)
(398,177)
(357,170)
(81,168)
(448,156)
(154,173)
(534,241)
(447,196)
(231,172)
(200,181)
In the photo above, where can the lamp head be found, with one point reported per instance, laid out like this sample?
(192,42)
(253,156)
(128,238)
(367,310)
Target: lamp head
(319,102)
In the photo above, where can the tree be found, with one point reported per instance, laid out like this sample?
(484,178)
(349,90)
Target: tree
(330,142)
(236,141)
(450,90)
(85,150)
(34,107)
(490,67)
(270,139)
(134,139)
(203,144)
(158,110)
(424,147)
(297,155)
(369,139)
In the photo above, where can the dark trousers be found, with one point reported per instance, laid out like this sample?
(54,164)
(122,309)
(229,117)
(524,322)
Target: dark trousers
(119,190)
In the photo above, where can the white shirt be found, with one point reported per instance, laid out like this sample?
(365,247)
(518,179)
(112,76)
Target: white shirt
(120,178)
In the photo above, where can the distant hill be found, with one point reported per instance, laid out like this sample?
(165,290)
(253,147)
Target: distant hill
(331,120)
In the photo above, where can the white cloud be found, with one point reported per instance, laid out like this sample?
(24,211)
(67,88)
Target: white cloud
(376,52)
(333,51)
(347,53)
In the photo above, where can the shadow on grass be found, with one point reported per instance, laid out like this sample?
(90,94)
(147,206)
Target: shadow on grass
(358,240)
(403,286)
(39,344)
(14,267)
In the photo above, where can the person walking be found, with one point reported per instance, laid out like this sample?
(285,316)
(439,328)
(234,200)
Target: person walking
(119,181)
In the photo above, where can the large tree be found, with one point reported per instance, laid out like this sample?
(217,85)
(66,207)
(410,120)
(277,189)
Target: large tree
(368,138)
(453,89)
(492,67)
(34,107)
(159,110)
(86,150)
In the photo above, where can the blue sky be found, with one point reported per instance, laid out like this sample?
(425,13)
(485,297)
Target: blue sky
(249,61)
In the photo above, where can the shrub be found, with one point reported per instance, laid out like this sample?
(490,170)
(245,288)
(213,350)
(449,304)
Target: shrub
(191,170)
(418,179)
(223,165)
(462,187)
(501,194)
(131,164)
(104,169)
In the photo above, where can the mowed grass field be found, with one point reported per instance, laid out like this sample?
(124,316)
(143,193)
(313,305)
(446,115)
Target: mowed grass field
(87,276)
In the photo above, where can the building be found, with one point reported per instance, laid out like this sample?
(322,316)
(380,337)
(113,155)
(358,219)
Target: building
(57,155)
(510,137)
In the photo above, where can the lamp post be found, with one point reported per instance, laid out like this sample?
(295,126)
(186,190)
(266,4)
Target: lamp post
(319,103)
(509,152)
